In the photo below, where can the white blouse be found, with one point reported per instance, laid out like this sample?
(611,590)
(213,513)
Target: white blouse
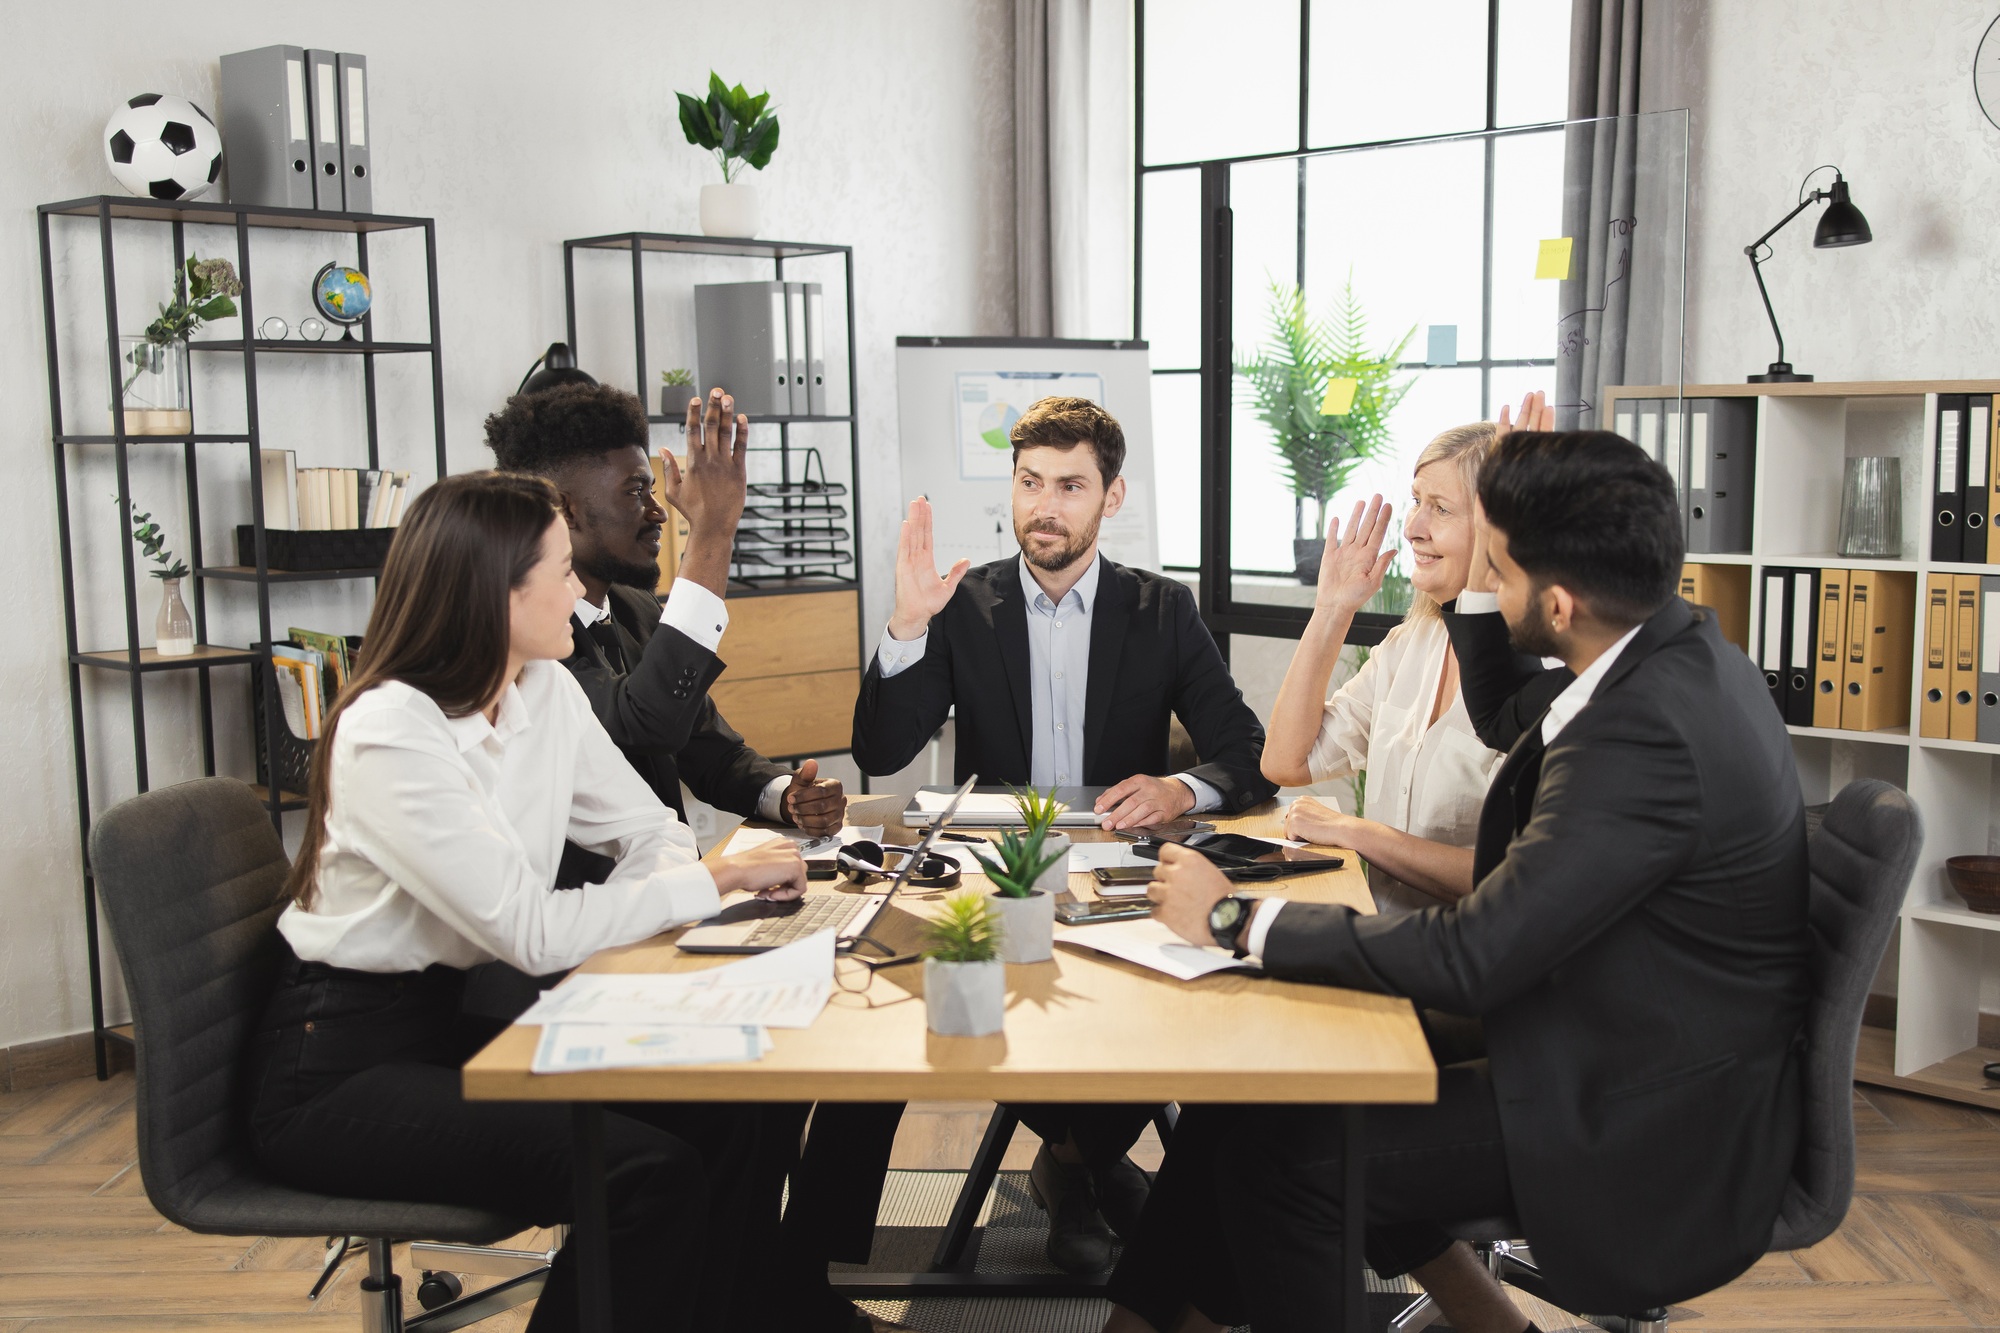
(443,836)
(1426,778)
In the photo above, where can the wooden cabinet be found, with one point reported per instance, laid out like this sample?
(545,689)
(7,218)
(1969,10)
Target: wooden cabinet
(794,669)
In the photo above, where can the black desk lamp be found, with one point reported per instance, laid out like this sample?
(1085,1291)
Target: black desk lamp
(1841,224)
(553,367)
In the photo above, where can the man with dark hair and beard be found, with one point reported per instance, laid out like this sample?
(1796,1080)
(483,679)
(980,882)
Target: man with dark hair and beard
(1065,670)
(647,667)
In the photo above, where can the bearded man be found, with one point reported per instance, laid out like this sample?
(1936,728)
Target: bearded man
(1065,669)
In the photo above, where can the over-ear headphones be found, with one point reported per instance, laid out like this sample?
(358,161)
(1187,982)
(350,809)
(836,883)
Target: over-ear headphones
(865,860)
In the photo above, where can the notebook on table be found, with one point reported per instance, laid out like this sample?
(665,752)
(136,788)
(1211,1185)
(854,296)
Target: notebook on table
(994,807)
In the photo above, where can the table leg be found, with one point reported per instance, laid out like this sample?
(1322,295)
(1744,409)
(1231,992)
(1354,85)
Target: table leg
(1353,1220)
(590,1235)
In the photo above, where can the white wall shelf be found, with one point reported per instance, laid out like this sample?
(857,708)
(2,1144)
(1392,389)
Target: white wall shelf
(1805,432)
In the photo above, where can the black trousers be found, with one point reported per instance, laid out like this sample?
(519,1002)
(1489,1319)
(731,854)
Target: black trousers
(354,1090)
(1245,1224)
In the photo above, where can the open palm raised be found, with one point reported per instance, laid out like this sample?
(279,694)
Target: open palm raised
(1352,569)
(921,592)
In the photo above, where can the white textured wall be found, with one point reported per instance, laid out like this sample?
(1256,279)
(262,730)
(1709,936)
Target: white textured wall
(514,125)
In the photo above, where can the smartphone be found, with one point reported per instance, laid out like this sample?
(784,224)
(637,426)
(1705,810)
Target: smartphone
(1089,914)
(1122,881)
(1172,830)
(1235,850)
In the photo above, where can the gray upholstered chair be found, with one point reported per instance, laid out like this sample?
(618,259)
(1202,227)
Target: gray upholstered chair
(190,877)
(1861,857)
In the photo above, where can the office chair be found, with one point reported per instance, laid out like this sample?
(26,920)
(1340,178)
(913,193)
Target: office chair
(191,880)
(1860,859)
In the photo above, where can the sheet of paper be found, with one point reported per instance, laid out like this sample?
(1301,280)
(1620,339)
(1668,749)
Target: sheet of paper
(1085,857)
(565,1046)
(1552,260)
(1149,944)
(1442,345)
(785,988)
(743,838)
(1339,400)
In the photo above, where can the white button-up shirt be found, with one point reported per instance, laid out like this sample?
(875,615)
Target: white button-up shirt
(443,836)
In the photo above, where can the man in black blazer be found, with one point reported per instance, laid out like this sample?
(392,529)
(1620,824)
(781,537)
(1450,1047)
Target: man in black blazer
(1636,950)
(1065,670)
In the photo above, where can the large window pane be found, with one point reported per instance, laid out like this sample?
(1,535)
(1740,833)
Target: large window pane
(1527,210)
(1177,467)
(1533,83)
(1264,227)
(1406,223)
(1170,260)
(1395,71)
(1220,81)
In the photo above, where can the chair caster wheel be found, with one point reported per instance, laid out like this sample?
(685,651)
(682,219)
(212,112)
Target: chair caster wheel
(439,1289)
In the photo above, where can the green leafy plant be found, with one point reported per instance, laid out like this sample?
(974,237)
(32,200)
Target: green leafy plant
(1038,808)
(152,539)
(732,124)
(204,289)
(1020,864)
(679,378)
(1285,383)
(967,930)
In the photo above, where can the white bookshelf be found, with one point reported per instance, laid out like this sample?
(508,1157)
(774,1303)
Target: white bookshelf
(1804,432)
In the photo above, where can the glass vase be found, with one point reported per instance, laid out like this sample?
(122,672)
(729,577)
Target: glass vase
(155,380)
(1871,508)
(173,628)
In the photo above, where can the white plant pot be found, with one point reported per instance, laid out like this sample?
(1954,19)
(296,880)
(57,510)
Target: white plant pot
(1027,927)
(1056,878)
(731,210)
(965,999)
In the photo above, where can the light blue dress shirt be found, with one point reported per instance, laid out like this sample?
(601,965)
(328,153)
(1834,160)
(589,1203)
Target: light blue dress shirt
(1058,681)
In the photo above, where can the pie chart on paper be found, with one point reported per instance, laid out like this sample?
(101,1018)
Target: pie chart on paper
(996,425)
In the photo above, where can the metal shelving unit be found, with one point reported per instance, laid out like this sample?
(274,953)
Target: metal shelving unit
(135,661)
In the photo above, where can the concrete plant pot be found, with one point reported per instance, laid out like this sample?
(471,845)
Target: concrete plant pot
(1027,926)
(965,999)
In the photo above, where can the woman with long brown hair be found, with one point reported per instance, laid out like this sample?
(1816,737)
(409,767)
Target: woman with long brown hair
(451,771)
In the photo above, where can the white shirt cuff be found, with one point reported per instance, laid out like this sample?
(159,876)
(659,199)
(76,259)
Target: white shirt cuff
(695,612)
(1206,798)
(771,801)
(1478,603)
(1260,926)
(694,898)
(897,656)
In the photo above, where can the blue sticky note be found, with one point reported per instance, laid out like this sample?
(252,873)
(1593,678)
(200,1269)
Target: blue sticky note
(1443,345)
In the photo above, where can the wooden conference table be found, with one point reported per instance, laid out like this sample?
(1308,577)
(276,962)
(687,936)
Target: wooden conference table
(1083,1027)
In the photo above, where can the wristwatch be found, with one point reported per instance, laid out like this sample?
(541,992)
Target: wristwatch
(1227,920)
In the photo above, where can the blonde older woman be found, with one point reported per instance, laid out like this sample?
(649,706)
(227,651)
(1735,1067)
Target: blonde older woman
(1400,719)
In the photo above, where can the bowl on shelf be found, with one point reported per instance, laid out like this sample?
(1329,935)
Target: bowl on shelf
(1977,880)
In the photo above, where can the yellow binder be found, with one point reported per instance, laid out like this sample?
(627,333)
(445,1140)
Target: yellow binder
(1934,708)
(1725,590)
(1827,657)
(1963,699)
(1881,622)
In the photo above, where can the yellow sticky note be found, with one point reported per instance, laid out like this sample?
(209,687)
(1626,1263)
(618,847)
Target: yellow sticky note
(1339,400)
(1553,261)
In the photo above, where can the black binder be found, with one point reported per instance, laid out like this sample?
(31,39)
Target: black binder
(1801,643)
(1948,484)
(1978,477)
(1774,633)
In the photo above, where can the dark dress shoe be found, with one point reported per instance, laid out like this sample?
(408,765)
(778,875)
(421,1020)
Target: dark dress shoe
(1121,1193)
(1079,1240)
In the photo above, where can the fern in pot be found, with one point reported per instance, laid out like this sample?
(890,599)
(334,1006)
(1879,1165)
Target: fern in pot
(1031,868)
(965,981)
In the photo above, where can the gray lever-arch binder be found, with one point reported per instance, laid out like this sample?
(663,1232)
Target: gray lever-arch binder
(266,127)
(741,344)
(357,181)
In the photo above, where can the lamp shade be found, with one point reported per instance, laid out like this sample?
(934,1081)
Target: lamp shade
(1842,223)
(558,366)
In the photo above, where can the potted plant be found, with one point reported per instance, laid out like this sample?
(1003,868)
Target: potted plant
(155,393)
(1032,867)
(965,981)
(173,628)
(676,387)
(1286,385)
(733,125)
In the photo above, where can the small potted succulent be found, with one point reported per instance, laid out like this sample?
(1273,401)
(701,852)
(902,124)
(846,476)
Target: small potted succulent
(1032,867)
(965,981)
(735,126)
(676,387)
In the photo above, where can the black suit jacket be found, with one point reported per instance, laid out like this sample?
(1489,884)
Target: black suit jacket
(1150,656)
(1637,948)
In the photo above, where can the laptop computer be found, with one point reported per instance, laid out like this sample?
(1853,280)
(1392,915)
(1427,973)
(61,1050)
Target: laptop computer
(993,807)
(757,926)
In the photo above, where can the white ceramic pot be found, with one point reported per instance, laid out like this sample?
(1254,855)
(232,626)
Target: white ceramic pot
(1027,926)
(731,210)
(965,999)
(1056,878)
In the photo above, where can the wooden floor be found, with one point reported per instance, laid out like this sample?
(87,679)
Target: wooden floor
(81,1250)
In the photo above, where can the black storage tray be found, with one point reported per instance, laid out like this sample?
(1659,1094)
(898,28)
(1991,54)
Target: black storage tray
(339,548)
(295,753)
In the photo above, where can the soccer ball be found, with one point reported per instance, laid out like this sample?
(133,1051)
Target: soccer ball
(163,146)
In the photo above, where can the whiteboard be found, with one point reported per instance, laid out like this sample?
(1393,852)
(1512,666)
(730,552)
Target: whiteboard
(956,399)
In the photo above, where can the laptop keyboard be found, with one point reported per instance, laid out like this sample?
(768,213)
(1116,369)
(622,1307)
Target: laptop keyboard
(817,912)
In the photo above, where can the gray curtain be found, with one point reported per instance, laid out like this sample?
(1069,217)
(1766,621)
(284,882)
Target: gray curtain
(1600,167)
(1057,71)
(1033,298)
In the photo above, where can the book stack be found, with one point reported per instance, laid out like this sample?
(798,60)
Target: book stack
(328,499)
(312,670)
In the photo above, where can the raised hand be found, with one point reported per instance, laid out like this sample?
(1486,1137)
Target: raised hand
(709,494)
(1353,566)
(1535,414)
(921,592)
